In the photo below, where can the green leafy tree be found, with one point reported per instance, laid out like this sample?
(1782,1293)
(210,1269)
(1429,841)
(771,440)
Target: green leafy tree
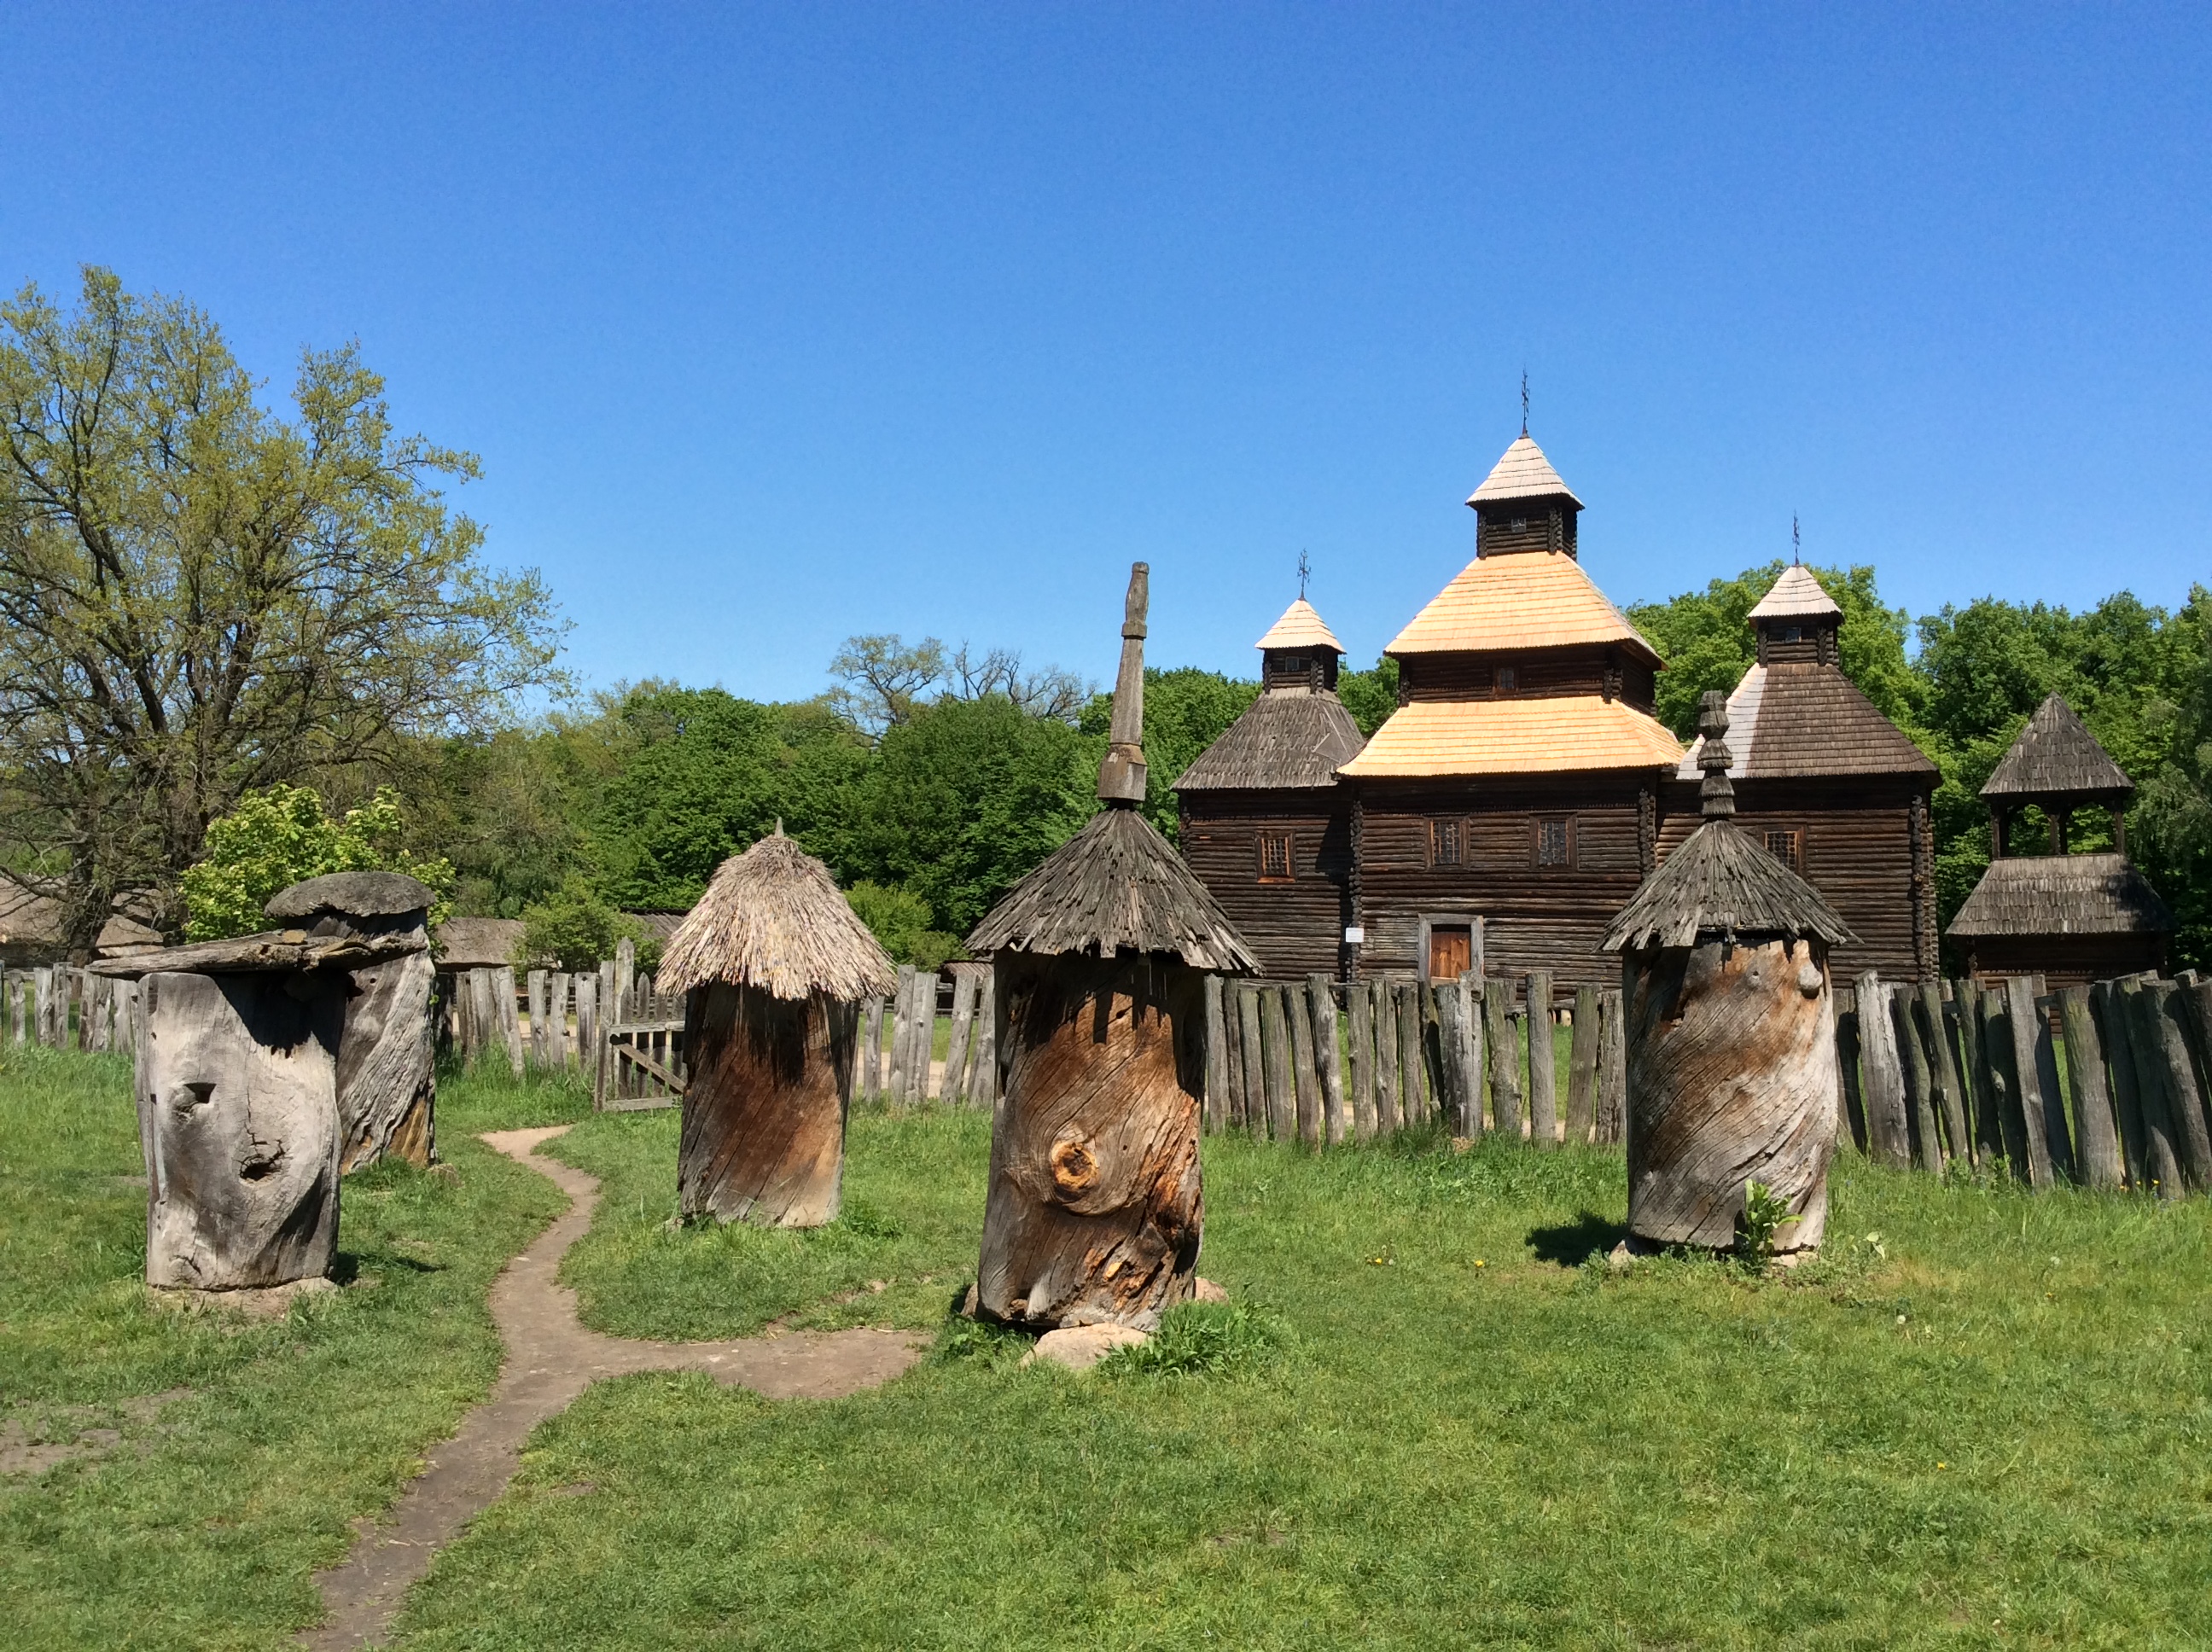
(1369,695)
(200,598)
(280,835)
(1185,710)
(573,929)
(900,920)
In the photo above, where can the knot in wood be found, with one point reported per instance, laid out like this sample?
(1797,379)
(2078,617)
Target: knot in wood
(1074,1166)
(1808,980)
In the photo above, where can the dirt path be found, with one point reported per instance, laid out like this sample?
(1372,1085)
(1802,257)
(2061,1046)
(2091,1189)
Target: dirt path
(550,1359)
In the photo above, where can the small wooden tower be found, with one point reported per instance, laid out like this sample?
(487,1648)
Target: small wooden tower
(1264,822)
(773,963)
(1099,958)
(1730,1031)
(2069,918)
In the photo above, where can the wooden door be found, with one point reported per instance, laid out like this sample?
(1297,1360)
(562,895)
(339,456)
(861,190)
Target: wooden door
(1451,950)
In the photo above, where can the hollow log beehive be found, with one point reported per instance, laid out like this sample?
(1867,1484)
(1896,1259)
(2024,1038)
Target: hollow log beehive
(1099,957)
(1730,1029)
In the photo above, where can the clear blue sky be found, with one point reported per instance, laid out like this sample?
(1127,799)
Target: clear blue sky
(773,325)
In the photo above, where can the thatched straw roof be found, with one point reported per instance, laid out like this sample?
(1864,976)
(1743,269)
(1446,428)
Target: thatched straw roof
(1115,884)
(1720,884)
(772,918)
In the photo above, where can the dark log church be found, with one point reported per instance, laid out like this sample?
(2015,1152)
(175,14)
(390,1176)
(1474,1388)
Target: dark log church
(1509,809)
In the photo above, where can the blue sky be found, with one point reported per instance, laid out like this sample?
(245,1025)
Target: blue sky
(775,325)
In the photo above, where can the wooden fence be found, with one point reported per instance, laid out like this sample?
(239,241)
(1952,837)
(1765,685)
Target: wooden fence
(63,1007)
(2101,1086)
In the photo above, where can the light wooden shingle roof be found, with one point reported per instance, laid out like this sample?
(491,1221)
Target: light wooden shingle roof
(1566,734)
(1526,599)
(1798,719)
(1797,595)
(1522,473)
(1300,627)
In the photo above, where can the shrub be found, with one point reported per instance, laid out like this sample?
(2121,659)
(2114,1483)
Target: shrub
(281,834)
(573,929)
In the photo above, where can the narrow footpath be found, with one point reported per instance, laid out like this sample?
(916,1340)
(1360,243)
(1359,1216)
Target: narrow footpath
(551,1358)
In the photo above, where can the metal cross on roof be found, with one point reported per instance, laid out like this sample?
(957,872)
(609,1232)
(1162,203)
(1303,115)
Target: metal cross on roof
(1796,551)
(1306,571)
(1524,401)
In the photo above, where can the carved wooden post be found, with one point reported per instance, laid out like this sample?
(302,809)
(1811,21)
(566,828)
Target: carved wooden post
(773,964)
(1093,1214)
(1731,1034)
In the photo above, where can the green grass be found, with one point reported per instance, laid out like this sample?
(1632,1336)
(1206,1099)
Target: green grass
(1430,1419)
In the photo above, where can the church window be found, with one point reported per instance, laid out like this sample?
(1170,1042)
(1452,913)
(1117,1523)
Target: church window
(1555,842)
(1508,679)
(1444,843)
(1787,848)
(1274,856)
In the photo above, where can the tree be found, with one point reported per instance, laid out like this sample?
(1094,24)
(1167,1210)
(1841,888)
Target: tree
(573,929)
(278,836)
(880,679)
(900,920)
(199,599)
(1369,695)
(1185,710)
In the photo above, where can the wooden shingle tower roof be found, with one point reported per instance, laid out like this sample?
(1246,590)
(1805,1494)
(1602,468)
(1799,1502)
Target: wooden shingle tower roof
(1297,734)
(2056,757)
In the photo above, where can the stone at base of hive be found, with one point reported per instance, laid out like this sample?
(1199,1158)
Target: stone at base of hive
(1078,1347)
(265,1302)
(1207,1290)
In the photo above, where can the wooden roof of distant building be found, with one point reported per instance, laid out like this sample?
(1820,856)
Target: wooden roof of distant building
(1796,594)
(2062,894)
(1518,601)
(30,922)
(2056,757)
(1798,719)
(1288,738)
(1535,735)
(1523,472)
(1300,627)
(477,943)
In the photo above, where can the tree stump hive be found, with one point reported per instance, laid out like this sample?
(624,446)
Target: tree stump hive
(1099,958)
(773,962)
(1730,1031)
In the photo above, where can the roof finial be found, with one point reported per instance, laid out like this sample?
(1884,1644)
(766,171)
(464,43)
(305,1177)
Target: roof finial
(1122,773)
(1797,549)
(1524,401)
(1717,795)
(1305,571)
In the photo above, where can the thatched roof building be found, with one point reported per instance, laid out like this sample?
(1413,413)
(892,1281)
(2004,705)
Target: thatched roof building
(772,918)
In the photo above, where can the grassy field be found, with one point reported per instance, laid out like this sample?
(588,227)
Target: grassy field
(1991,1426)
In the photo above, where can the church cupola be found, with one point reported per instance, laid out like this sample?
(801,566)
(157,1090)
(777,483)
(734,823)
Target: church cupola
(1796,621)
(1524,505)
(1299,651)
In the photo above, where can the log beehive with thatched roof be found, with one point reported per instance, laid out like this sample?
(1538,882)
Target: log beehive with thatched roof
(1731,1032)
(773,963)
(2069,917)
(1264,822)
(1099,958)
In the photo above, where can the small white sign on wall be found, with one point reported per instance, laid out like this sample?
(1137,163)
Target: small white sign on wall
(1354,935)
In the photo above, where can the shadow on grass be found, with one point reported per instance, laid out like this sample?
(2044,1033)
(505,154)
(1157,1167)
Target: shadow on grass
(1575,1242)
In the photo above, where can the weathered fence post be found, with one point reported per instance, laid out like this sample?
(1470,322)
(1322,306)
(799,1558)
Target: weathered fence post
(1852,1119)
(2092,1107)
(954,1090)
(2023,1021)
(43,980)
(19,1004)
(1390,1117)
(2184,1106)
(1943,1069)
(2161,1150)
(1232,1042)
(1413,1101)
(1215,1117)
(1359,1011)
(1304,1058)
(562,992)
(1474,1052)
(1505,1113)
(626,979)
(1543,1070)
(2111,1013)
(1256,1058)
(1982,1127)
(510,1018)
(541,1053)
(902,1034)
(867,1061)
(1888,1135)
(1927,1145)
(1613,1082)
(2011,1126)
(1451,1088)
(1582,1067)
(1320,995)
(983,1066)
(1274,1039)
(587,1022)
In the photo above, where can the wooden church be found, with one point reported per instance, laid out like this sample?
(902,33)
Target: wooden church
(1828,785)
(1510,804)
(1266,824)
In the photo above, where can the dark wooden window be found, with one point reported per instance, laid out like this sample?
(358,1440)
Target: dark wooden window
(1447,839)
(1274,856)
(1508,679)
(1295,665)
(1555,841)
(1787,848)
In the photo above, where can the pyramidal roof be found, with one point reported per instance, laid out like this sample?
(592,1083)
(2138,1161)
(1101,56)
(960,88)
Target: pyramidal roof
(1797,595)
(1542,600)
(1522,473)
(2056,755)
(1300,627)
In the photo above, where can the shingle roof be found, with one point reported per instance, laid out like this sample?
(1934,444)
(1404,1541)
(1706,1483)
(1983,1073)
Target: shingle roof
(1536,599)
(1796,594)
(1300,627)
(1721,883)
(1549,735)
(2062,895)
(2055,755)
(1287,738)
(1522,473)
(1797,718)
